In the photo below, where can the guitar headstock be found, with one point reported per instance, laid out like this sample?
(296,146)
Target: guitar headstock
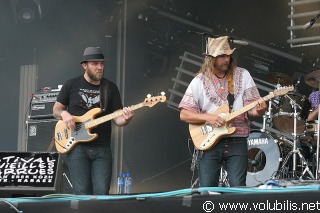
(153,100)
(283,90)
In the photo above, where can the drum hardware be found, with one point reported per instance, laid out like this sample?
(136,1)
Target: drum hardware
(293,103)
(279,78)
(287,141)
(294,151)
(304,165)
(297,85)
(309,136)
(274,131)
(267,116)
(283,116)
(296,113)
(313,80)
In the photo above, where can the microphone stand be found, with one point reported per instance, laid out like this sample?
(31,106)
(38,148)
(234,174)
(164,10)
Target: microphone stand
(312,21)
(230,39)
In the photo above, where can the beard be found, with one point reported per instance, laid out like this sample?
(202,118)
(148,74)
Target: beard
(222,67)
(95,76)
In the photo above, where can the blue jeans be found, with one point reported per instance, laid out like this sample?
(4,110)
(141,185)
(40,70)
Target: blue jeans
(233,153)
(90,168)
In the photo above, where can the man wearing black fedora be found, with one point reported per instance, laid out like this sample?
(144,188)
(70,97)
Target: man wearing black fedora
(89,161)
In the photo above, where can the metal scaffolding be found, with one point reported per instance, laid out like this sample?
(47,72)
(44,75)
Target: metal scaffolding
(304,31)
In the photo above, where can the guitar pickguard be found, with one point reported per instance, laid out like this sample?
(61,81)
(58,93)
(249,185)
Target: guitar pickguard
(212,136)
(66,139)
(207,128)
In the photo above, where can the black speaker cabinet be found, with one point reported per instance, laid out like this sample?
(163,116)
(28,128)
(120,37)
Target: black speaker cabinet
(41,110)
(40,134)
(30,174)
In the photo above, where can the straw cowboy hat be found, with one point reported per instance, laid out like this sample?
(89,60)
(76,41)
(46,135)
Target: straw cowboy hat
(218,46)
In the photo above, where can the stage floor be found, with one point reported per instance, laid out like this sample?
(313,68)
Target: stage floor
(285,198)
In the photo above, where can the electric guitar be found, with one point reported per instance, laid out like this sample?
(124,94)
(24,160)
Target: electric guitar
(205,135)
(66,139)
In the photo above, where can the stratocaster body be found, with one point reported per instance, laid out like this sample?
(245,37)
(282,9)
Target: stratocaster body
(205,135)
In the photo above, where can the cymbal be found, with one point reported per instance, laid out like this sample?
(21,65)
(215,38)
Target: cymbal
(313,79)
(280,78)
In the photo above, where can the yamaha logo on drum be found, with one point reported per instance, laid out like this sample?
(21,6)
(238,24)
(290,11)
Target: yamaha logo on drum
(258,141)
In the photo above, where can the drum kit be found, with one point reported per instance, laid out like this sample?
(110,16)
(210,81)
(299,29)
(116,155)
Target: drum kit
(287,145)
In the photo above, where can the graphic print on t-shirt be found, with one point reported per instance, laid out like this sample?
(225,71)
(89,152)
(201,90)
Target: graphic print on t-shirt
(90,98)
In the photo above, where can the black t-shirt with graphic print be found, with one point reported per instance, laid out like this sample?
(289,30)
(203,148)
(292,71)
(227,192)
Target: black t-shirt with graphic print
(80,96)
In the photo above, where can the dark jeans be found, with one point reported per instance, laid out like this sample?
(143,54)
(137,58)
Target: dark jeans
(231,151)
(90,168)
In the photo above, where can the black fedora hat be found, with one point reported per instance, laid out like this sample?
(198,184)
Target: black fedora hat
(92,54)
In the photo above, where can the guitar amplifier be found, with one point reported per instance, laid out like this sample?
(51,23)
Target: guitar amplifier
(42,104)
(40,135)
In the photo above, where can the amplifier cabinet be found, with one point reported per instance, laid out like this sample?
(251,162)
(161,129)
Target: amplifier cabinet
(40,134)
(42,104)
(41,110)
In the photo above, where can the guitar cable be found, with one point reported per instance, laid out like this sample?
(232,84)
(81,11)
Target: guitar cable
(195,157)
(59,143)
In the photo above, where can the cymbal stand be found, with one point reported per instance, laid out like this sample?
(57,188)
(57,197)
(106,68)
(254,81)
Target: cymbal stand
(268,113)
(294,151)
(295,116)
(266,116)
(305,164)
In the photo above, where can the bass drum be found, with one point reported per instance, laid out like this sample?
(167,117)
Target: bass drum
(264,157)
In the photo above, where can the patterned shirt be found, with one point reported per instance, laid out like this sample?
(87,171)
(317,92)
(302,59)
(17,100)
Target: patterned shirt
(205,95)
(314,99)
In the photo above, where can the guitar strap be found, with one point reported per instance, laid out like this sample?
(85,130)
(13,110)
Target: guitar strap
(230,100)
(231,90)
(104,85)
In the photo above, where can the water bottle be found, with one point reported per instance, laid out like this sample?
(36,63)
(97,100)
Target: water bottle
(128,184)
(120,184)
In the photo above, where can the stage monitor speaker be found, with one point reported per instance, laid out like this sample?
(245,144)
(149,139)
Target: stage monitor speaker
(29,174)
(40,135)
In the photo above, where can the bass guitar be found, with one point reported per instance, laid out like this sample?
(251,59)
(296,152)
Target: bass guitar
(66,139)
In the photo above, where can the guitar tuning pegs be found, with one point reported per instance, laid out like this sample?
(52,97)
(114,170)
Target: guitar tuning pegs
(149,96)
(162,93)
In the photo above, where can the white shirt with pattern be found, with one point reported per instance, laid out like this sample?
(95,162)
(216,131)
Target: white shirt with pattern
(205,95)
